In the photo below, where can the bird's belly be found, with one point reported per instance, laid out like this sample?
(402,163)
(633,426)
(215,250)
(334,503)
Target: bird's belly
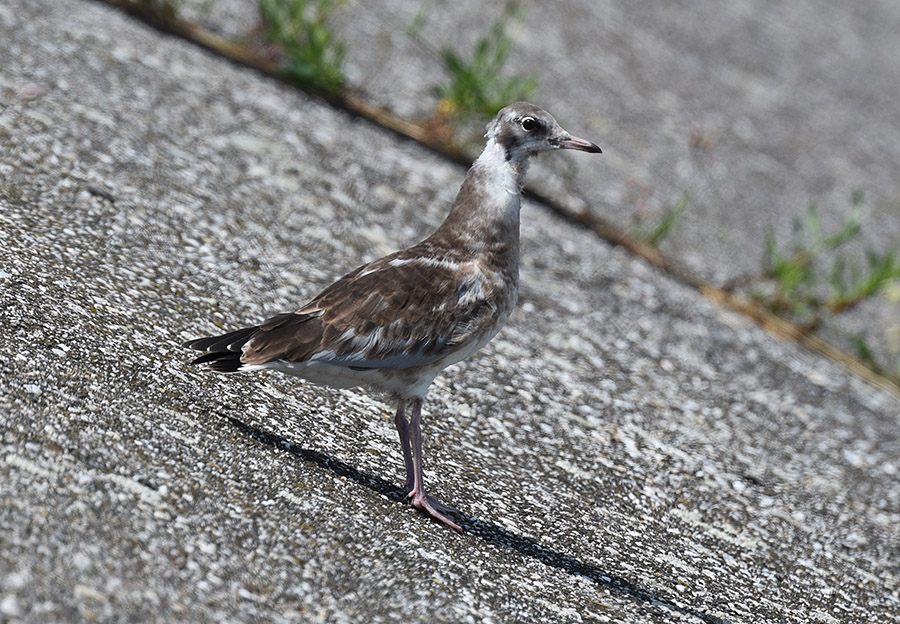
(410,382)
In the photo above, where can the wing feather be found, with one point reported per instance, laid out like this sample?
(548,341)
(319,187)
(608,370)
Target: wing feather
(396,312)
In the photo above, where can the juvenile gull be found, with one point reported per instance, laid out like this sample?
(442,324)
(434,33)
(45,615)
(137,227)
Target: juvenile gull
(394,324)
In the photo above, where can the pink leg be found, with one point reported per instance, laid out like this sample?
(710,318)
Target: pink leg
(420,500)
(403,429)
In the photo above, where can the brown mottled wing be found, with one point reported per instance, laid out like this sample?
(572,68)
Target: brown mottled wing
(382,315)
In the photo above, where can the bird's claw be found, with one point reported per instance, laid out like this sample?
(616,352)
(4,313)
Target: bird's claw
(436,509)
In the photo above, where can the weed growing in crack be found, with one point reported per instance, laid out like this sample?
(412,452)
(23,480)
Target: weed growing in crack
(653,230)
(310,54)
(476,86)
(799,284)
(794,285)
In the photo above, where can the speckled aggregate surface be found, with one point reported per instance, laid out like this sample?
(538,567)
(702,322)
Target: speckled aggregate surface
(626,451)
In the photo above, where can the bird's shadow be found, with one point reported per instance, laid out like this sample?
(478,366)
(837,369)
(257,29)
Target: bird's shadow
(487,531)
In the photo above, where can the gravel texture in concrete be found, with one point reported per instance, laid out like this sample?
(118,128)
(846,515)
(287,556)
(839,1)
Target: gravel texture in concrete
(624,451)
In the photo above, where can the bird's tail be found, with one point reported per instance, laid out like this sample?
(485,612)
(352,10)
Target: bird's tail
(223,353)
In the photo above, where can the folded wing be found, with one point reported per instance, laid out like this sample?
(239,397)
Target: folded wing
(394,313)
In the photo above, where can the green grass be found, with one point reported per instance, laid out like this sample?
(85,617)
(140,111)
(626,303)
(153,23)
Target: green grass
(310,53)
(418,21)
(653,230)
(799,288)
(811,280)
(794,274)
(864,352)
(476,86)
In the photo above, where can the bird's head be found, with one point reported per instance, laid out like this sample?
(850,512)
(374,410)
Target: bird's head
(523,129)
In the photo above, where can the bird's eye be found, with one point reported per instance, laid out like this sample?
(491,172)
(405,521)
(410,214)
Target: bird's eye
(529,124)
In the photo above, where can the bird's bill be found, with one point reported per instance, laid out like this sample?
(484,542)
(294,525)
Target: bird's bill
(574,143)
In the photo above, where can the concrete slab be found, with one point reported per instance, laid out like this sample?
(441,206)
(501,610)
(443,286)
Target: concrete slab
(626,451)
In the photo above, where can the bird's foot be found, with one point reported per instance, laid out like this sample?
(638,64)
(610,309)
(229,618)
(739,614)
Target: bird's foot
(436,509)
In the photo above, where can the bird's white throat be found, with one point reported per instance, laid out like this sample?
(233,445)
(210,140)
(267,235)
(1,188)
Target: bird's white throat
(505,170)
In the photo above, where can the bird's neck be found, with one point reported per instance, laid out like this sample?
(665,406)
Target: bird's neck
(485,216)
(505,168)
